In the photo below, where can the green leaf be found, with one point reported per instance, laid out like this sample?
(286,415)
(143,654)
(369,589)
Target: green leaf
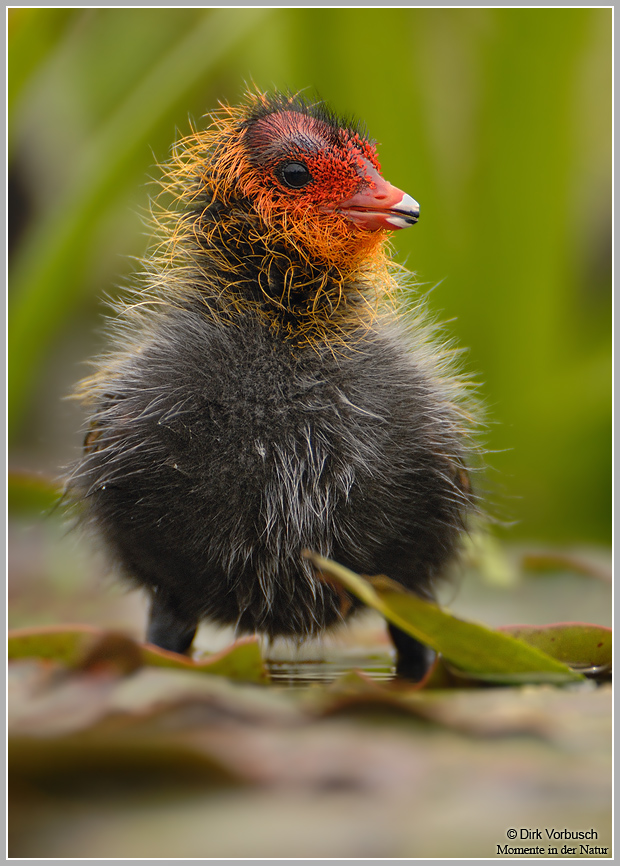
(472,648)
(61,644)
(86,646)
(577,644)
(556,560)
(241,661)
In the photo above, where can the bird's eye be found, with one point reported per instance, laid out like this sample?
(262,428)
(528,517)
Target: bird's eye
(294,174)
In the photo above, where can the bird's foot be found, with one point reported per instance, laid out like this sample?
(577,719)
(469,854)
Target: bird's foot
(413,658)
(168,630)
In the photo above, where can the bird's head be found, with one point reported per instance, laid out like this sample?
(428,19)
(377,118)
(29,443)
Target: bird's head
(314,180)
(303,163)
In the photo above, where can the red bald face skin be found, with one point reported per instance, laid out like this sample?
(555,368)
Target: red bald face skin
(309,167)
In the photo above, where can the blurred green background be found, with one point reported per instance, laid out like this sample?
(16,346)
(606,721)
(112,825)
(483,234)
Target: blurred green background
(498,121)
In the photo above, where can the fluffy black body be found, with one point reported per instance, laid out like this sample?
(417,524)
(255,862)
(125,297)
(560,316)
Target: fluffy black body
(219,451)
(226,454)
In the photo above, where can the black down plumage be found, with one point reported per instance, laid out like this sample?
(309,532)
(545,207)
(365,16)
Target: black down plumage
(222,444)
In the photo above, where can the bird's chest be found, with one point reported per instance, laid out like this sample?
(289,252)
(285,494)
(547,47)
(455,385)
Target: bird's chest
(275,421)
(262,428)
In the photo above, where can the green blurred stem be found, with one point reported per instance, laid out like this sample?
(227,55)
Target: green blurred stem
(58,249)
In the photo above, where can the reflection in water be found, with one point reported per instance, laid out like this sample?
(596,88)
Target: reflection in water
(298,673)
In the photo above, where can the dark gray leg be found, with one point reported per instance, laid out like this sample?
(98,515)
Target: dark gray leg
(167,629)
(413,658)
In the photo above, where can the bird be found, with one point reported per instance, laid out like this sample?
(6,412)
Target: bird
(268,389)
